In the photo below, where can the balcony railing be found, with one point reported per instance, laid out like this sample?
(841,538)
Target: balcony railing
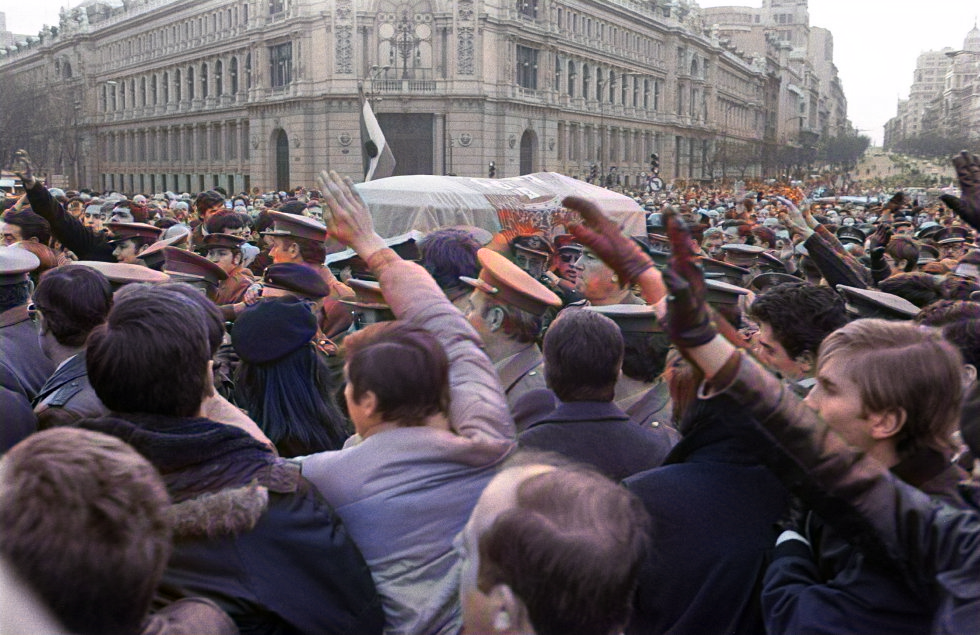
(404,86)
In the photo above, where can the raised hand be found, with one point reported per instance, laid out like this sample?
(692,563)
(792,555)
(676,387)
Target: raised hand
(607,241)
(881,237)
(795,218)
(688,317)
(349,219)
(24,169)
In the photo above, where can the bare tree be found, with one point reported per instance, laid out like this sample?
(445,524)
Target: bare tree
(39,119)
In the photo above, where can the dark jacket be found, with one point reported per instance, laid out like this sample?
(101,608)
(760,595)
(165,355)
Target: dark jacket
(25,367)
(713,505)
(250,533)
(835,589)
(601,435)
(67,396)
(654,408)
(932,546)
(84,242)
(18,418)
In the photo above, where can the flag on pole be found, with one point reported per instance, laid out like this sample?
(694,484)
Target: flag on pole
(379,162)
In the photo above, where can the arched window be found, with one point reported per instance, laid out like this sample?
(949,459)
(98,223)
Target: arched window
(586,80)
(248,71)
(405,37)
(204,81)
(190,83)
(233,75)
(219,88)
(571,78)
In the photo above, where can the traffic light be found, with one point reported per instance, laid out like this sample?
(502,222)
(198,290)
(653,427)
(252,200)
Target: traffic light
(655,163)
(493,169)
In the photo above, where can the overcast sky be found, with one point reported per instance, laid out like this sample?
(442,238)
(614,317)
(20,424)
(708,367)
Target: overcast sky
(876,42)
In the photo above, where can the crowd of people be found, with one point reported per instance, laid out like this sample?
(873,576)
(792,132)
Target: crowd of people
(761,415)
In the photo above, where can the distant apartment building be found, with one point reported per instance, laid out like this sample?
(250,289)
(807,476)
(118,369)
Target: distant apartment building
(944,98)
(809,100)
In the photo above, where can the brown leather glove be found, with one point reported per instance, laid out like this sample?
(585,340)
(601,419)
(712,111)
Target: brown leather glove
(688,315)
(606,240)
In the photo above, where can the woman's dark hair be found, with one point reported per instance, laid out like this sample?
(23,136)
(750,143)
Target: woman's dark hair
(292,401)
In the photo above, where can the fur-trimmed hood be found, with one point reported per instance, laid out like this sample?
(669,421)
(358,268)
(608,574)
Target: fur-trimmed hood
(229,511)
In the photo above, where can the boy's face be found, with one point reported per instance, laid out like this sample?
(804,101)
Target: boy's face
(126,251)
(773,355)
(837,399)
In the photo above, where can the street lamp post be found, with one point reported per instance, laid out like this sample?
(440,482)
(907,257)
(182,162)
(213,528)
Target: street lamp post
(75,150)
(376,72)
(600,84)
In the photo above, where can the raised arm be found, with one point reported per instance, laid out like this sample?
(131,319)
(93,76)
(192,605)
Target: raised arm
(621,254)
(68,230)
(935,546)
(477,405)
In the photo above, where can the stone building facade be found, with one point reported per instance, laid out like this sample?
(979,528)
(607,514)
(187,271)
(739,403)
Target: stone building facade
(944,98)
(928,82)
(184,95)
(810,102)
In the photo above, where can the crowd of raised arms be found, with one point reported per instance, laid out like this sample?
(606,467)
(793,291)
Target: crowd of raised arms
(251,413)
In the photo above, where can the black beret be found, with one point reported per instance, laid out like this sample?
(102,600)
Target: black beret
(273,329)
(296,278)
